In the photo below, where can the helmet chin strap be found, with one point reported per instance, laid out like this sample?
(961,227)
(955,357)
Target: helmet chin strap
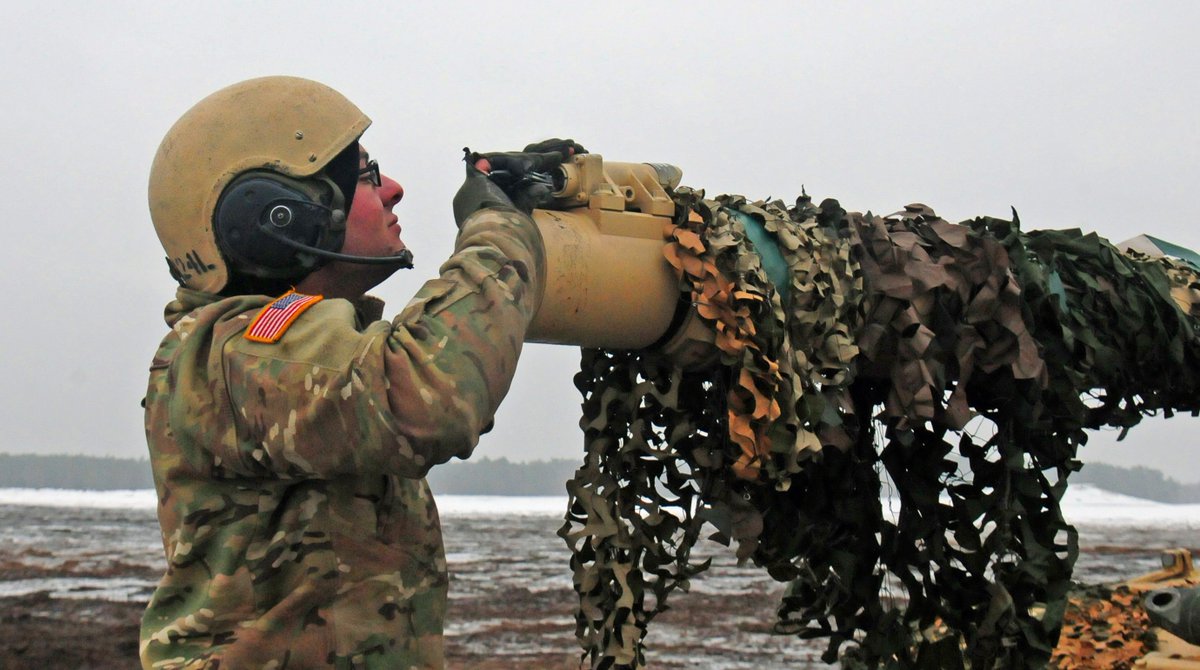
(280,215)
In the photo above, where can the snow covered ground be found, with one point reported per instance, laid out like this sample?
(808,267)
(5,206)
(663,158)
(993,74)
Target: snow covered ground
(1084,504)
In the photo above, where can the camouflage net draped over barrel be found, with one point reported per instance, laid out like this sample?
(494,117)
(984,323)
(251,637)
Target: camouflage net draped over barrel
(950,367)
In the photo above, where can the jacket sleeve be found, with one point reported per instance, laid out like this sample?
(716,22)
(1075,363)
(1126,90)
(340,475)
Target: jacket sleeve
(398,398)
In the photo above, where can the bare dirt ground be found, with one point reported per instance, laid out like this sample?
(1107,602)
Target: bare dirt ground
(511,600)
(492,626)
(515,628)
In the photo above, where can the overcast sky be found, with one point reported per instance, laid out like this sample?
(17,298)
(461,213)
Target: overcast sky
(1077,114)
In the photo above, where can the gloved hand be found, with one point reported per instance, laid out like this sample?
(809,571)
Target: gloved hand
(527,178)
(524,175)
(566,148)
(477,191)
(509,167)
(524,179)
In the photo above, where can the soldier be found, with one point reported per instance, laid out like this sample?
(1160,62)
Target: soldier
(290,429)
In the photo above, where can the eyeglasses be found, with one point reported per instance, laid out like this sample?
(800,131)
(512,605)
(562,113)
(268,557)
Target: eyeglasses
(372,170)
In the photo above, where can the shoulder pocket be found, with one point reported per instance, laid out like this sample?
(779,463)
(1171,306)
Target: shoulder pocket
(435,296)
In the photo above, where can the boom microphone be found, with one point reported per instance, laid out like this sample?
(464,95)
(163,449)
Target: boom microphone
(280,215)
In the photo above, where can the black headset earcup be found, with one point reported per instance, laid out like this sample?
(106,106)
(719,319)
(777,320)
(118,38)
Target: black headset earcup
(259,207)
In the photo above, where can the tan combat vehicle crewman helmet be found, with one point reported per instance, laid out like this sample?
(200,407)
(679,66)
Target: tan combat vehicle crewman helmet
(284,125)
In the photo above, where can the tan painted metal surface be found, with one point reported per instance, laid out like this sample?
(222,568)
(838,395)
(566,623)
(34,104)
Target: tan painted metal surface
(608,284)
(611,291)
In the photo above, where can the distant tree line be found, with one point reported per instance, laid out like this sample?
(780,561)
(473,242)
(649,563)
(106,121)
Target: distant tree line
(73,472)
(1138,481)
(478,476)
(501,476)
(484,476)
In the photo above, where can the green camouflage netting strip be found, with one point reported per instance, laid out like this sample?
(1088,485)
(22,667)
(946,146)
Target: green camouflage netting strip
(952,367)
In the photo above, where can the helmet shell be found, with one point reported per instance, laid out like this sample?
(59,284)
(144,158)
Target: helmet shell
(288,125)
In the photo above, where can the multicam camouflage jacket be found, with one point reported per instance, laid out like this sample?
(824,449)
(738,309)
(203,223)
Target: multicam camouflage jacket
(298,529)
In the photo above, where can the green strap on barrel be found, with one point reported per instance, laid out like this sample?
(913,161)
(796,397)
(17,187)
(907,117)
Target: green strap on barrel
(768,252)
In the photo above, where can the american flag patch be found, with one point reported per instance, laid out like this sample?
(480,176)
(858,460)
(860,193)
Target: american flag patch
(273,321)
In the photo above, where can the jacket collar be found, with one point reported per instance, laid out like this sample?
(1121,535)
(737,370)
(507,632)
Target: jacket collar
(369,308)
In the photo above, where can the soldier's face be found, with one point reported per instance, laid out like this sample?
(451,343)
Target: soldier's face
(371,227)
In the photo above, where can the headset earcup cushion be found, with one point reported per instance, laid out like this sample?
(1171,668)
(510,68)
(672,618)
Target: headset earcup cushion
(256,200)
